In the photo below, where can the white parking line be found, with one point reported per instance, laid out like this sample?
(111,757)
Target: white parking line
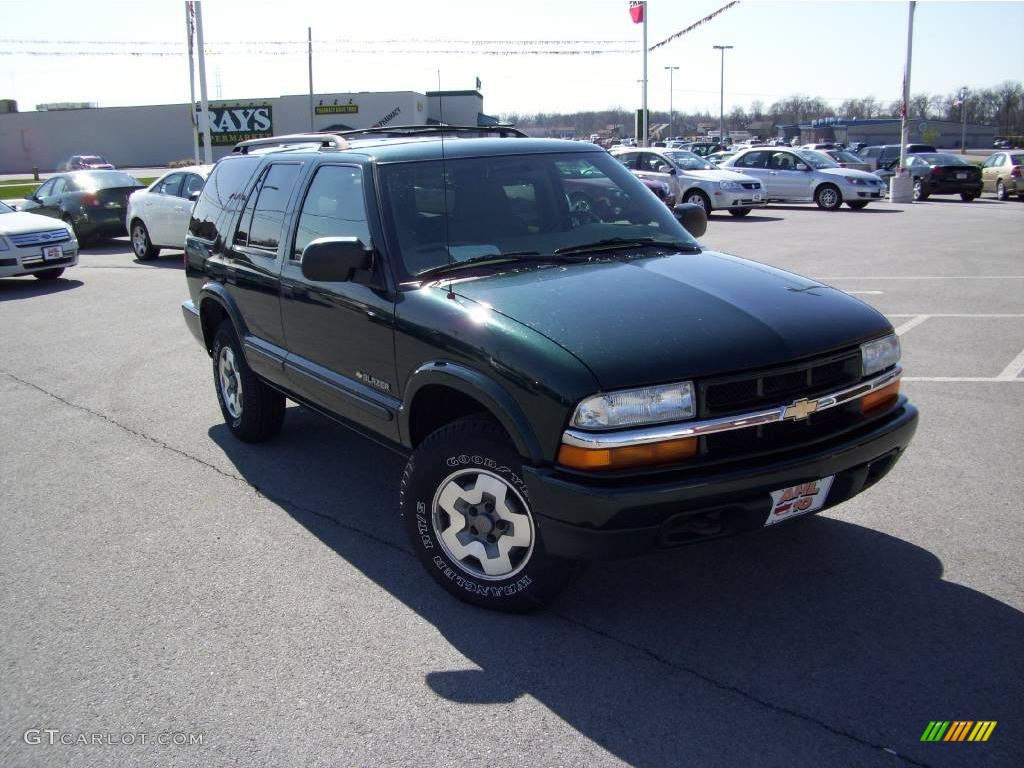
(910,324)
(956,314)
(923,277)
(1013,370)
(865,293)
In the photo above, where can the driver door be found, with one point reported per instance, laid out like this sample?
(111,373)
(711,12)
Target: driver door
(790,176)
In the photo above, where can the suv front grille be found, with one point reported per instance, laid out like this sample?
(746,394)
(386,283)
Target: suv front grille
(751,184)
(784,434)
(776,386)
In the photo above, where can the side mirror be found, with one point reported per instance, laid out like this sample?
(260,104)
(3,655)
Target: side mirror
(692,217)
(802,167)
(195,195)
(334,259)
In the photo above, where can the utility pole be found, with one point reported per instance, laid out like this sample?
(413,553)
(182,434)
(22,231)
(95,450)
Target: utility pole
(204,114)
(309,41)
(721,96)
(192,82)
(643,106)
(671,110)
(963,120)
(901,185)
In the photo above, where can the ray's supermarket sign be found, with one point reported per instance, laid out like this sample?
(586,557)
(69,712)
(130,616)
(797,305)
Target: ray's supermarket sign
(230,124)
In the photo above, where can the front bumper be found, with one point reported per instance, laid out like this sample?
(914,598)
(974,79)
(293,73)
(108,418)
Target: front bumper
(15,262)
(586,520)
(724,199)
(191,314)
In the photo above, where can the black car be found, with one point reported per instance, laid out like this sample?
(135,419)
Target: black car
(568,382)
(882,155)
(94,203)
(936,173)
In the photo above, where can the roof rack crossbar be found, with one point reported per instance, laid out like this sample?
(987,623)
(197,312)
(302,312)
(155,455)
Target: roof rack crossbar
(504,131)
(324,140)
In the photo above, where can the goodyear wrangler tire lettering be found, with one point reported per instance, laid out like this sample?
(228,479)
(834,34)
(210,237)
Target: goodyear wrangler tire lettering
(469,519)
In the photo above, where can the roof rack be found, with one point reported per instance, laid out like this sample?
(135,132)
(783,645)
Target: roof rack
(504,131)
(324,140)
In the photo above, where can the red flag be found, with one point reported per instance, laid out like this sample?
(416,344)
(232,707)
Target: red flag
(636,10)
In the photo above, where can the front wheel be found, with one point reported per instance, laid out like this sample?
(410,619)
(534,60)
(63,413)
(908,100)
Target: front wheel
(858,204)
(467,512)
(253,411)
(739,213)
(697,197)
(828,197)
(141,244)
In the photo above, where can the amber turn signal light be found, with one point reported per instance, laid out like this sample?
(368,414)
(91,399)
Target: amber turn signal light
(880,398)
(630,456)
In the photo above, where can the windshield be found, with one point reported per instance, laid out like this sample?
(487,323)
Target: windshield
(103,180)
(845,157)
(816,160)
(474,208)
(1016,159)
(688,161)
(93,160)
(939,158)
(4,208)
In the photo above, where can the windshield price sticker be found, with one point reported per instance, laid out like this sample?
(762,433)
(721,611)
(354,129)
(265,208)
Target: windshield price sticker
(799,500)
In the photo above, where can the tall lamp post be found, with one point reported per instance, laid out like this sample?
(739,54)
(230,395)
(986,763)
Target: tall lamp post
(963,120)
(721,96)
(671,110)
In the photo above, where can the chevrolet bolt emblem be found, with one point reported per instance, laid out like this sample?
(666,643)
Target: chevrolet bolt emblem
(800,409)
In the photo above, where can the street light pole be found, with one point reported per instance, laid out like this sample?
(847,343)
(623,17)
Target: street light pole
(721,96)
(671,111)
(963,120)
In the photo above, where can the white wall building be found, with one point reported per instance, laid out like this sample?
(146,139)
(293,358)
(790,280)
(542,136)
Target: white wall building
(156,135)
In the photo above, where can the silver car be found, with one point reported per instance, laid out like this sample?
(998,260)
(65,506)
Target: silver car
(693,179)
(805,176)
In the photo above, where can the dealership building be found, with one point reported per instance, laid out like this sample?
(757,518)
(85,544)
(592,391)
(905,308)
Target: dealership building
(156,135)
(939,133)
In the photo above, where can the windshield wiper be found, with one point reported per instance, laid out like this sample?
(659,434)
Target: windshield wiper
(618,243)
(495,259)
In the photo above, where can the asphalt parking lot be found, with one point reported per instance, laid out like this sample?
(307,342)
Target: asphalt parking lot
(157,576)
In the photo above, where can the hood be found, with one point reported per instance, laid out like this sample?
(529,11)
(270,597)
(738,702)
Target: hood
(22,222)
(848,173)
(663,319)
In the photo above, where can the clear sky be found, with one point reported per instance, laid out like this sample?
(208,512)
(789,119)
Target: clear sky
(835,50)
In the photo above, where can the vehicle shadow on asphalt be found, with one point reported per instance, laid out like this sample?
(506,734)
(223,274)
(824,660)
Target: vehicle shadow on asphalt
(750,218)
(173,260)
(872,208)
(819,643)
(15,288)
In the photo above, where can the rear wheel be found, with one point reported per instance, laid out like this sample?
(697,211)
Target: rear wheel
(253,410)
(697,197)
(858,204)
(919,193)
(828,197)
(739,212)
(968,196)
(141,244)
(468,515)
(71,223)
(48,274)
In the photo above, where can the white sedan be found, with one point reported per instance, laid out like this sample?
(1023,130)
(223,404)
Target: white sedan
(158,216)
(35,245)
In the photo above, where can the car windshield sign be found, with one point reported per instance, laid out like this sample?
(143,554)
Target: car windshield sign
(506,210)
(817,160)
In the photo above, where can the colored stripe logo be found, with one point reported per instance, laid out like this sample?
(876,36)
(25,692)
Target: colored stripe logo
(958,730)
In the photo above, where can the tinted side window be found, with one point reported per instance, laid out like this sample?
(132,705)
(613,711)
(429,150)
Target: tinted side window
(260,226)
(45,190)
(59,187)
(334,207)
(170,185)
(222,193)
(753,160)
(628,159)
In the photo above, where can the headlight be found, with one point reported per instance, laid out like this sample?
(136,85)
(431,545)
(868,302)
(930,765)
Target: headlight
(856,181)
(633,407)
(879,354)
(729,185)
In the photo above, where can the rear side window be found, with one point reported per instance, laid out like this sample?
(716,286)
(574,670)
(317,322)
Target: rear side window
(170,185)
(222,193)
(260,226)
(334,207)
(752,160)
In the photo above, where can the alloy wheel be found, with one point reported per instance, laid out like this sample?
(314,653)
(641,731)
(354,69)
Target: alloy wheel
(230,381)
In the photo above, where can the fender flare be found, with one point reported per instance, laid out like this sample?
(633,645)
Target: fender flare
(216,292)
(481,388)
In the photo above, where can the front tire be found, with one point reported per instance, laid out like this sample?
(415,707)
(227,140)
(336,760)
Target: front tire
(468,515)
(828,197)
(252,410)
(697,197)
(141,244)
(739,213)
(48,274)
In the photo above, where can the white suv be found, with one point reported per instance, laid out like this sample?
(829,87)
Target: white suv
(692,179)
(35,245)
